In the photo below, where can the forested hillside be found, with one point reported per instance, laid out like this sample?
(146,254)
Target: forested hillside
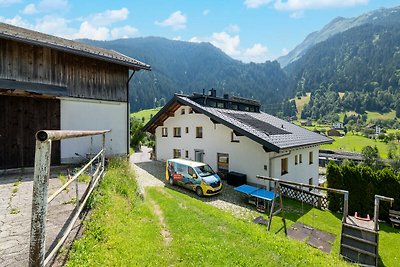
(363,62)
(184,67)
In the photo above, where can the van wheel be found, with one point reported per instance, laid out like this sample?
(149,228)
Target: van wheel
(199,191)
(171,180)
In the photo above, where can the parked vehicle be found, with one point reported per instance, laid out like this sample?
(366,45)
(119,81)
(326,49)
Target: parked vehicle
(196,176)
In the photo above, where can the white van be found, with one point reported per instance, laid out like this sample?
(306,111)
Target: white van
(196,176)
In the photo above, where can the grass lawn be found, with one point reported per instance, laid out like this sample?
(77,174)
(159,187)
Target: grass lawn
(170,228)
(300,103)
(146,114)
(355,143)
(384,116)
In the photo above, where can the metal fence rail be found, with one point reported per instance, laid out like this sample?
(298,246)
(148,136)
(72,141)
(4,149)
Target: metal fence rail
(40,200)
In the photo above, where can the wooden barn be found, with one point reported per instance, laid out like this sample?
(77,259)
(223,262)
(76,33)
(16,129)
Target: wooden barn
(47,82)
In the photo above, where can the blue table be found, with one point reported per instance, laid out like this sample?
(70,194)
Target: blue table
(258,194)
(246,189)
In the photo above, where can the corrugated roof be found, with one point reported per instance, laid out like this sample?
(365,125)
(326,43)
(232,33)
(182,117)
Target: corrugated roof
(287,136)
(37,38)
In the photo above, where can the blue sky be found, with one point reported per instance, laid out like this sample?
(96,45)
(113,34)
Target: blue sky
(248,30)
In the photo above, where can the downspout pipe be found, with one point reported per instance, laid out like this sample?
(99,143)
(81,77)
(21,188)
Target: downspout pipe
(128,113)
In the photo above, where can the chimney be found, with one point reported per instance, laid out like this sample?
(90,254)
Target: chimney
(213,92)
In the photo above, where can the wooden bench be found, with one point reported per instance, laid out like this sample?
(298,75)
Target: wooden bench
(394,217)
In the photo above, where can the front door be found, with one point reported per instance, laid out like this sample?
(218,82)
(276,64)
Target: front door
(199,155)
(223,165)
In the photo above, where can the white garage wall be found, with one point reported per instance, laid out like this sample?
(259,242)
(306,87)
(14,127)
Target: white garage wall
(246,156)
(82,114)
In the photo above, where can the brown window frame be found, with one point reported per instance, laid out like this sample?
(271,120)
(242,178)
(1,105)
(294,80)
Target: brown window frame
(177,132)
(164,132)
(176,151)
(199,134)
(284,166)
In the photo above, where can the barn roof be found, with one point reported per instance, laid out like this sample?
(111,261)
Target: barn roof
(37,38)
(273,133)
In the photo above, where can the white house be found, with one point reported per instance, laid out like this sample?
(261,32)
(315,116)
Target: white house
(337,125)
(231,134)
(51,83)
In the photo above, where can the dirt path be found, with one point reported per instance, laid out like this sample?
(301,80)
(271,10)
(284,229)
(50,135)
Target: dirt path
(161,220)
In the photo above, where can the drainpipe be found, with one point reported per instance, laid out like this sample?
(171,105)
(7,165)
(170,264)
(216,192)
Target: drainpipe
(128,139)
(270,165)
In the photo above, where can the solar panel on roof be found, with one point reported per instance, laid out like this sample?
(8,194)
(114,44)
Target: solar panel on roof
(260,125)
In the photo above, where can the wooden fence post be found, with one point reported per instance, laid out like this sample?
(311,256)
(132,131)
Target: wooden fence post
(39,203)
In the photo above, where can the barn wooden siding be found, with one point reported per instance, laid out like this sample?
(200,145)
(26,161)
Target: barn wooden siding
(20,119)
(84,77)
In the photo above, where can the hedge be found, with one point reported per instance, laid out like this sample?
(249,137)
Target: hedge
(363,184)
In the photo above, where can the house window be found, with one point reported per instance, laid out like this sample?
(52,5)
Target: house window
(177,131)
(164,132)
(284,166)
(234,106)
(310,182)
(296,158)
(234,137)
(199,132)
(300,158)
(187,154)
(310,157)
(187,130)
(183,111)
(177,153)
(220,105)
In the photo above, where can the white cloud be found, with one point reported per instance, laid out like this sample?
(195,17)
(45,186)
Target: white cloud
(123,32)
(225,42)
(206,12)
(177,38)
(316,4)
(285,51)
(176,21)
(256,3)
(256,53)
(30,9)
(17,21)
(86,30)
(8,2)
(108,17)
(230,44)
(97,26)
(233,28)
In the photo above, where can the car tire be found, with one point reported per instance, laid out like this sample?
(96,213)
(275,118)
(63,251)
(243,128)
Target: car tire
(199,191)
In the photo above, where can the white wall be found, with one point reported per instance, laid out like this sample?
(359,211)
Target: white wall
(246,156)
(82,114)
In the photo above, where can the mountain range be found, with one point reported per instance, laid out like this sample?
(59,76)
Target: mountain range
(359,54)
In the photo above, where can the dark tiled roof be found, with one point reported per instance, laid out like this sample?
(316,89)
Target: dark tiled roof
(36,38)
(275,134)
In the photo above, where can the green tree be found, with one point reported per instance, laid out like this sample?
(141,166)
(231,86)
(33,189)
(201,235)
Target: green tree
(136,133)
(371,157)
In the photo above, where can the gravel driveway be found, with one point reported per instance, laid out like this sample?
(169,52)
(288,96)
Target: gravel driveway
(152,173)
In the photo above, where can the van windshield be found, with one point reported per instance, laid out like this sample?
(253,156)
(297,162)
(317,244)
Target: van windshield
(204,170)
